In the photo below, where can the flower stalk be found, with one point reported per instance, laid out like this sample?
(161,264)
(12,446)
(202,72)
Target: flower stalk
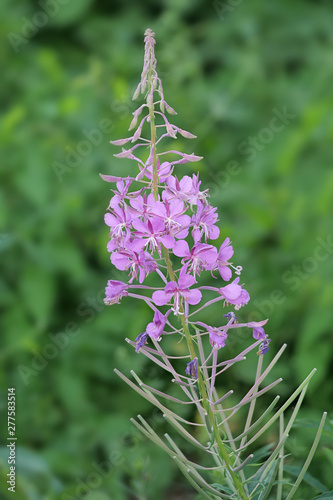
(156,220)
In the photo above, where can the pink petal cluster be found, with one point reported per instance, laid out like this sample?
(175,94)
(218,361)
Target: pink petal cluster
(153,212)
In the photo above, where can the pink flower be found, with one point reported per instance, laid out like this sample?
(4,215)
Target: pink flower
(151,234)
(216,337)
(172,216)
(201,256)
(140,263)
(120,195)
(178,189)
(234,294)
(196,195)
(155,328)
(259,333)
(204,223)
(115,291)
(155,218)
(119,222)
(143,205)
(180,292)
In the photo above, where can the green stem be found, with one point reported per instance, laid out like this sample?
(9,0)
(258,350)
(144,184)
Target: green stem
(212,421)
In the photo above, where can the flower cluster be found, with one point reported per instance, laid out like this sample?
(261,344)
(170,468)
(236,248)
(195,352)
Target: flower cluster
(155,218)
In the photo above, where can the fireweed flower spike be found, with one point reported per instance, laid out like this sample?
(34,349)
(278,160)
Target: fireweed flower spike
(162,223)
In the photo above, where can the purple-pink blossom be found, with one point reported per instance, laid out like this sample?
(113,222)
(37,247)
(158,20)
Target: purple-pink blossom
(216,337)
(156,327)
(142,205)
(138,263)
(235,294)
(197,196)
(201,256)
(179,292)
(172,214)
(259,333)
(204,223)
(119,222)
(151,235)
(115,291)
(120,195)
(175,189)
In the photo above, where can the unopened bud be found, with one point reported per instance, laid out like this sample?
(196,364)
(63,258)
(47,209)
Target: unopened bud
(186,134)
(120,142)
(143,84)
(111,178)
(150,157)
(137,134)
(137,92)
(192,157)
(170,110)
(124,154)
(133,122)
(170,130)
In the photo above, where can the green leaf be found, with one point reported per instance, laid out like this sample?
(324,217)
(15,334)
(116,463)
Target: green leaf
(327,496)
(308,478)
(266,484)
(223,489)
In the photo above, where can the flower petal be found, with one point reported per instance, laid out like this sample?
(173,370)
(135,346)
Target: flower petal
(160,298)
(181,249)
(225,273)
(194,297)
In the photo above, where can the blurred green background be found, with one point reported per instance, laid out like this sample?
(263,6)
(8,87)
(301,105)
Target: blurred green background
(228,68)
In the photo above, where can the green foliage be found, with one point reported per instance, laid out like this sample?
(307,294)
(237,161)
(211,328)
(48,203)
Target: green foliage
(225,71)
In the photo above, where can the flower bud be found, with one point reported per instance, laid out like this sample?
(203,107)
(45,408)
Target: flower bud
(124,153)
(170,130)
(137,92)
(120,142)
(150,157)
(138,130)
(170,110)
(133,122)
(192,157)
(186,134)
